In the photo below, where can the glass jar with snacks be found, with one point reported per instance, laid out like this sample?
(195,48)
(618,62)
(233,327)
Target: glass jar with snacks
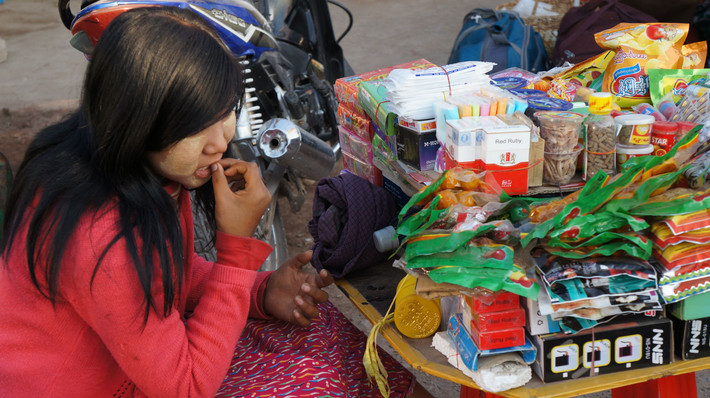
(560,130)
(634,129)
(559,168)
(663,137)
(626,152)
(599,140)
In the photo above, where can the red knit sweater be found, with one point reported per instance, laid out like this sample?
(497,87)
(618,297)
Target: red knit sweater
(93,342)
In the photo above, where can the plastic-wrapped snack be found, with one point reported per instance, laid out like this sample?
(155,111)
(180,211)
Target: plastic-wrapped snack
(582,279)
(632,238)
(581,228)
(672,202)
(639,48)
(663,237)
(688,222)
(694,106)
(694,55)
(698,172)
(677,291)
(673,83)
(682,254)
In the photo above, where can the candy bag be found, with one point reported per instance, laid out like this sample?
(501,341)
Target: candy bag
(638,48)
(694,55)
(674,81)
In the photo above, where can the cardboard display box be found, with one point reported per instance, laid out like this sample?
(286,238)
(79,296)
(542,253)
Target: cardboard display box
(417,149)
(500,146)
(694,307)
(610,348)
(691,338)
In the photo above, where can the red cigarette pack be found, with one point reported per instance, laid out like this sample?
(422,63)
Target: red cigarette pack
(500,320)
(501,301)
(497,338)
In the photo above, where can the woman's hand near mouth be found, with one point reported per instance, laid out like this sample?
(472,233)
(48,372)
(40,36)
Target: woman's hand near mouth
(240,196)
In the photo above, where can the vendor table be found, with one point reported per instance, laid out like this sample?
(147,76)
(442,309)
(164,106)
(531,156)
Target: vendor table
(373,289)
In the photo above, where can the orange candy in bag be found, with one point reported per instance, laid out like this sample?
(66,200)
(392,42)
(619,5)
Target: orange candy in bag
(639,47)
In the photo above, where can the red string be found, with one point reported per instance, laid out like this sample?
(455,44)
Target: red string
(377,110)
(448,79)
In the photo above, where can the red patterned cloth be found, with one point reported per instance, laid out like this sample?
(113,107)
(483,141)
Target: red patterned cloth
(278,359)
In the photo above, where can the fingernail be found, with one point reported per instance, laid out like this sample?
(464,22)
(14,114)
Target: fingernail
(306,287)
(299,300)
(214,167)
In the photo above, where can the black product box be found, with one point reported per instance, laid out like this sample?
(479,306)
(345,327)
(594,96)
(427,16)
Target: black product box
(417,149)
(611,348)
(691,338)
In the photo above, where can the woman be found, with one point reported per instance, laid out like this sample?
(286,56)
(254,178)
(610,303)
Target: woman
(102,292)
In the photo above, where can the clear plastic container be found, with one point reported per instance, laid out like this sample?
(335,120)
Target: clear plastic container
(599,137)
(560,130)
(634,129)
(626,152)
(559,168)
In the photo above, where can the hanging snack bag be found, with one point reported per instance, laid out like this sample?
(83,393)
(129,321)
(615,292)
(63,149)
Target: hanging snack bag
(673,82)
(638,48)
(694,55)
(585,72)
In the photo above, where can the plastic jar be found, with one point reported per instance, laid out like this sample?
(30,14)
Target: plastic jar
(527,93)
(663,137)
(537,104)
(560,130)
(559,168)
(626,152)
(510,82)
(634,129)
(415,316)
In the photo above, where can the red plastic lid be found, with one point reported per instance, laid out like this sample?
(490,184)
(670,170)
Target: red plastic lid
(665,127)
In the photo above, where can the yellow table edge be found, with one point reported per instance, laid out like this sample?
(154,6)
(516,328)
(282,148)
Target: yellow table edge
(569,388)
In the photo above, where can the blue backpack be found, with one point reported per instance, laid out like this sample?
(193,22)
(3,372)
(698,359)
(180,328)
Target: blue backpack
(501,37)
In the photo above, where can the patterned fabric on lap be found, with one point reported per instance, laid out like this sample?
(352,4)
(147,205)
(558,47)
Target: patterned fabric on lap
(275,359)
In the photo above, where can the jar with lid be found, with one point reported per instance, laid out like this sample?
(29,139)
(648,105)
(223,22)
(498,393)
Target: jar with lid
(599,136)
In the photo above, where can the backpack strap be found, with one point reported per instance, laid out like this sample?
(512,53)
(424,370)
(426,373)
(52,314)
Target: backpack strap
(499,35)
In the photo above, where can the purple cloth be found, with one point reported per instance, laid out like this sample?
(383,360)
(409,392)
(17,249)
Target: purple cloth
(347,210)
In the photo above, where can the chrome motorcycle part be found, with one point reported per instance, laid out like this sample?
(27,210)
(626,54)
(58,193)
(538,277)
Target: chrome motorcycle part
(283,141)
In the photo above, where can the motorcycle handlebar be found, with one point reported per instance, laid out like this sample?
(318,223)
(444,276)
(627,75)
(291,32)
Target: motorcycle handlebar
(65,13)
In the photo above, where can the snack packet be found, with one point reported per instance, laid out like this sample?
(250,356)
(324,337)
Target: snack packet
(638,48)
(662,236)
(585,72)
(694,55)
(673,81)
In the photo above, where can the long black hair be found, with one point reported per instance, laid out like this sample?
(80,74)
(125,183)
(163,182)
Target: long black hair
(156,76)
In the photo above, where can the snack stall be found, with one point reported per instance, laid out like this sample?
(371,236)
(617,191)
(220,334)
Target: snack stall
(552,225)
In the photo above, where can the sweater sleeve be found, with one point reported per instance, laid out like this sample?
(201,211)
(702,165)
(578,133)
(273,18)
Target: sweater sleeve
(165,356)
(200,273)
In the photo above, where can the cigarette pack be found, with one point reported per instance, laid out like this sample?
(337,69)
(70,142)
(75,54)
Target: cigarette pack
(499,301)
(497,338)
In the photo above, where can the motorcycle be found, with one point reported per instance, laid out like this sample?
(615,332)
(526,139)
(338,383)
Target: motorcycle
(288,123)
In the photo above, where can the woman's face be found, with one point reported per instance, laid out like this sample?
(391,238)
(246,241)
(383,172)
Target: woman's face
(188,161)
